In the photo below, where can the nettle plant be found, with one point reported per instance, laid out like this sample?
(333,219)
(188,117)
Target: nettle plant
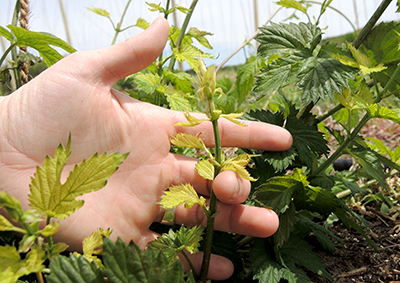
(293,73)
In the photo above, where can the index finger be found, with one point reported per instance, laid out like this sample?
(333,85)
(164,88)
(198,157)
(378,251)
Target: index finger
(256,135)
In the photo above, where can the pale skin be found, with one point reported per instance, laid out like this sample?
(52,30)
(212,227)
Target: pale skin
(76,96)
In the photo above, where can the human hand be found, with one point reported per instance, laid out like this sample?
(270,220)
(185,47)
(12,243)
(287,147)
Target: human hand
(76,96)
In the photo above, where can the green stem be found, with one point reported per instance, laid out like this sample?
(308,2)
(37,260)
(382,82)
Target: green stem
(190,262)
(213,206)
(118,29)
(342,147)
(371,23)
(183,31)
(49,238)
(330,113)
(160,57)
(9,49)
(336,10)
(395,75)
(14,57)
(305,111)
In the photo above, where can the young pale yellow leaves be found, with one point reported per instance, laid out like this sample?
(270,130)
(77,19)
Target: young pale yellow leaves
(354,101)
(193,121)
(58,200)
(181,194)
(238,164)
(92,245)
(360,61)
(205,169)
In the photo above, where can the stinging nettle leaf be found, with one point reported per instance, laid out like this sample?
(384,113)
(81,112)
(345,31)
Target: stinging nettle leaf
(181,194)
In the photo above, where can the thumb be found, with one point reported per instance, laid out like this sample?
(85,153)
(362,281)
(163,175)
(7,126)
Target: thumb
(133,55)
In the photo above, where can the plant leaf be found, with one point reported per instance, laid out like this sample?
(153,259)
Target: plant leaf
(174,242)
(147,82)
(12,266)
(100,12)
(73,269)
(205,169)
(12,206)
(41,42)
(306,139)
(8,35)
(142,23)
(292,4)
(238,164)
(370,163)
(188,140)
(245,77)
(313,70)
(177,100)
(193,121)
(277,193)
(297,252)
(378,111)
(287,220)
(189,53)
(199,36)
(181,194)
(127,263)
(48,195)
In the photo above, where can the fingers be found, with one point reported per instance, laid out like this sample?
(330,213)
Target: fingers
(220,267)
(133,55)
(256,135)
(239,219)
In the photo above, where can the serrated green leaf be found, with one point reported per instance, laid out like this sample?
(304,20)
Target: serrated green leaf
(73,269)
(193,121)
(180,80)
(313,70)
(5,225)
(384,149)
(316,199)
(265,116)
(292,4)
(181,194)
(177,100)
(8,35)
(154,7)
(50,229)
(382,44)
(280,160)
(238,164)
(127,263)
(100,12)
(42,42)
(48,195)
(12,266)
(370,164)
(92,244)
(277,193)
(264,265)
(200,36)
(205,169)
(189,53)
(297,252)
(142,23)
(174,242)
(245,77)
(188,140)
(320,232)
(378,111)
(11,205)
(306,139)
(147,82)
(287,220)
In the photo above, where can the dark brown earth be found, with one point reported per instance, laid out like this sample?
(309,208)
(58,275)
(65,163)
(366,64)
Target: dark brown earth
(355,260)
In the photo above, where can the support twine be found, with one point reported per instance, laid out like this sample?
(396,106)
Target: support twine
(23,21)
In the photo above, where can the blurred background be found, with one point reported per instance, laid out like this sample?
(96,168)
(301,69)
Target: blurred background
(231,22)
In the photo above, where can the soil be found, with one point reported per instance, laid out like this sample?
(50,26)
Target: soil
(355,260)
